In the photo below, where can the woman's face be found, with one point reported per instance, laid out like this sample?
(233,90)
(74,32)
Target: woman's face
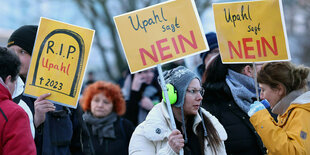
(148,76)
(193,98)
(100,105)
(273,95)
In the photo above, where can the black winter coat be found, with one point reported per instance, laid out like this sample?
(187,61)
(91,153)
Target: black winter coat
(242,137)
(59,134)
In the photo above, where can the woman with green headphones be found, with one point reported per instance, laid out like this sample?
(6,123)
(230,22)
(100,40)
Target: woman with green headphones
(198,132)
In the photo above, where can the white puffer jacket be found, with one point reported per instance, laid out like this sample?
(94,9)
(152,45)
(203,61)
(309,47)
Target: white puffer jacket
(151,136)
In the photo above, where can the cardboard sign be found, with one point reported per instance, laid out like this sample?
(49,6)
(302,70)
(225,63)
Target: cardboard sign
(160,34)
(58,63)
(251,31)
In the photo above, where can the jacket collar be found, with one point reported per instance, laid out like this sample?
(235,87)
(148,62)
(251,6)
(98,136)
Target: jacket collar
(4,91)
(285,102)
(303,98)
(302,101)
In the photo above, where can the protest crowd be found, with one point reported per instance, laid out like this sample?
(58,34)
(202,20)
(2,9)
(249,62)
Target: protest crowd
(215,108)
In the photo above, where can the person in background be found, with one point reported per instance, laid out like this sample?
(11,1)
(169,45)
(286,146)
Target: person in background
(104,131)
(55,125)
(230,90)
(206,56)
(21,42)
(284,85)
(198,132)
(15,133)
(90,78)
(141,91)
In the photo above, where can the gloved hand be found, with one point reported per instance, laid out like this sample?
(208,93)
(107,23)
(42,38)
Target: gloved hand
(255,107)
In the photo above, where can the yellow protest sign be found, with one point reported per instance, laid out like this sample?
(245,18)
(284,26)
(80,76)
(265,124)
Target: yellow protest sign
(251,31)
(58,61)
(160,34)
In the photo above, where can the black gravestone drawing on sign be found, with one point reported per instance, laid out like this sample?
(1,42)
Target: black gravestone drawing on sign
(71,50)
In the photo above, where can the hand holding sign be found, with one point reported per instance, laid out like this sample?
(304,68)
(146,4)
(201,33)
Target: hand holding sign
(41,107)
(176,140)
(247,36)
(58,61)
(160,34)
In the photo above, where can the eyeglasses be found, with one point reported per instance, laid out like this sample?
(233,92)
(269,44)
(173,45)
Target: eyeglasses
(201,91)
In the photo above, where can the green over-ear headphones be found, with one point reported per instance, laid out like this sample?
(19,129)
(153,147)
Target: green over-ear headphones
(172,94)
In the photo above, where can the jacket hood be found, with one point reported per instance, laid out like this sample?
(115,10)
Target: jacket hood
(303,101)
(303,98)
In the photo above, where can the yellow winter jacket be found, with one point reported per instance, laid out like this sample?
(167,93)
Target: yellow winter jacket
(291,135)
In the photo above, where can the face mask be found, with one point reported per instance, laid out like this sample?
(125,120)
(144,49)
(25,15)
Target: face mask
(19,87)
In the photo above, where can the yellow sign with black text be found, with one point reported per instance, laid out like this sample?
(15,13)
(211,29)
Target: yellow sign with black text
(160,34)
(252,31)
(58,61)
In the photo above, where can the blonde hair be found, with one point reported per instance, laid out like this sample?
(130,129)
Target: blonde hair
(292,77)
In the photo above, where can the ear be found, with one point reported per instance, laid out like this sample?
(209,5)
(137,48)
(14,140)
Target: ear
(8,79)
(248,71)
(281,90)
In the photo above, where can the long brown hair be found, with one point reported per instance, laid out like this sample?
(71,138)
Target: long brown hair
(212,135)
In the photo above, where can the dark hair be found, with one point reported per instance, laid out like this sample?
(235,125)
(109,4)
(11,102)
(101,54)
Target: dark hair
(217,71)
(9,64)
(238,67)
(212,137)
(291,76)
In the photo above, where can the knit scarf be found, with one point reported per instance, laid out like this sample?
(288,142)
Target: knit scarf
(242,89)
(101,127)
(286,101)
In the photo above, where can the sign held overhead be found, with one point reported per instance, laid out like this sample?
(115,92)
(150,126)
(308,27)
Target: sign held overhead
(160,34)
(251,31)
(58,61)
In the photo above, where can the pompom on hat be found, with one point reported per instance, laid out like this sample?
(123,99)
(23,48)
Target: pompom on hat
(24,37)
